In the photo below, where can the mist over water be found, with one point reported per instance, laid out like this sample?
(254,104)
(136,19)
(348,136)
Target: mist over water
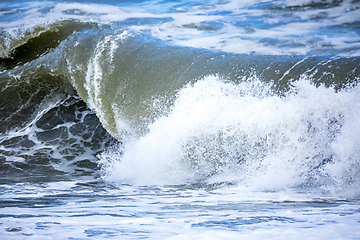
(179,119)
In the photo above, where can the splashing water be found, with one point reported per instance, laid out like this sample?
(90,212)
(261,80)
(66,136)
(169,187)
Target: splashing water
(179,119)
(218,131)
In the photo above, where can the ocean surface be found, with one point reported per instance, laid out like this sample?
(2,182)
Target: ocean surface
(164,119)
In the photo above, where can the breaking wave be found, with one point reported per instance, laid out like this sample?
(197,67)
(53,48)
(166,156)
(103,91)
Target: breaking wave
(218,131)
(182,109)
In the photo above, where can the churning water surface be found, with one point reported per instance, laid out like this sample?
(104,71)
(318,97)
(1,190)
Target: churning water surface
(180,119)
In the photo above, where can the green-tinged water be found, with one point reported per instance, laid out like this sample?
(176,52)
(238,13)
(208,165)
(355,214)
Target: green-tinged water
(179,120)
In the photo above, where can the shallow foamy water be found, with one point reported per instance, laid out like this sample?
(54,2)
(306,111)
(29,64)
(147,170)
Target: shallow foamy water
(68,210)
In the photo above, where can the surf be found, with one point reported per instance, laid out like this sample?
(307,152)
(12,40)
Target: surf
(185,114)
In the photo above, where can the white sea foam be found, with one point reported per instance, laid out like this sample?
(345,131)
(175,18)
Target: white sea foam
(67,210)
(217,132)
(281,27)
(300,31)
(221,131)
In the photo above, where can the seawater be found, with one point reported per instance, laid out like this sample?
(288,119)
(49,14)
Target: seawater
(180,119)
(71,210)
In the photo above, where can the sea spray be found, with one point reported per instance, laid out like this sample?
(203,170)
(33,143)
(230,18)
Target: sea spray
(218,131)
(239,119)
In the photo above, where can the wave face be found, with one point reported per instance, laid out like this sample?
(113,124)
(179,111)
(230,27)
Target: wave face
(262,94)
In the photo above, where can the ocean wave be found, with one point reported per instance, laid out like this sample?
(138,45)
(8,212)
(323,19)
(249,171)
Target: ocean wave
(182,113)
(218,131)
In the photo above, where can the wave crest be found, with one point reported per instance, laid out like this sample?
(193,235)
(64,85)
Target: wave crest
(219,131)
